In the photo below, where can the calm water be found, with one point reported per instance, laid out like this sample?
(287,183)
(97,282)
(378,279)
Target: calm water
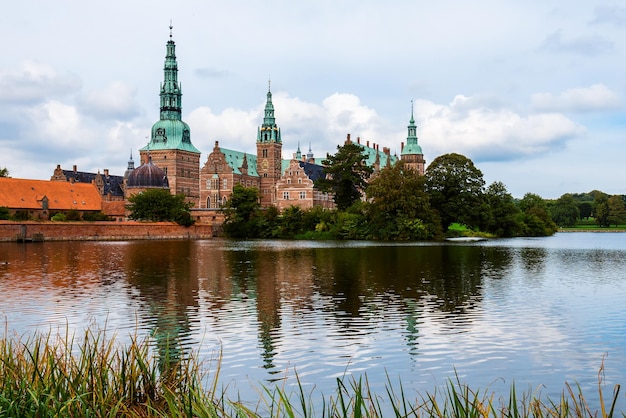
(537,312)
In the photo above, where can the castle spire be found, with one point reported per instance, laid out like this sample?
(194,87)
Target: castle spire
(171,93)
(269,131)
(412,128)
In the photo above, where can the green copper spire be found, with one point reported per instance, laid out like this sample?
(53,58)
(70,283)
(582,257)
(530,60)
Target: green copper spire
(171,93)
(412,146)
(170,132)
(269,131)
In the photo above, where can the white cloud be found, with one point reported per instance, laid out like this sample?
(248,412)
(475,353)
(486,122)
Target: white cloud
(34,82)
(116,101)
(485,134)
(597,97)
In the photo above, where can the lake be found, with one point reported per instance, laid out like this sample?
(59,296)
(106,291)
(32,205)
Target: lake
(537,312)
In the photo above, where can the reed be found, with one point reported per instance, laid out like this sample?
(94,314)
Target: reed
(47,375)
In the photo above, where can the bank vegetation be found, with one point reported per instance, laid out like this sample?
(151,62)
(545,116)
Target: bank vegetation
(47,375)
(398,203)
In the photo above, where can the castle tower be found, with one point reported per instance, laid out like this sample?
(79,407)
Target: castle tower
(170,146)
(411,152)
(269,154)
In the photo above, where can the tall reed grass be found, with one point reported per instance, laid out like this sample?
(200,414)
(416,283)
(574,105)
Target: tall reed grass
(47,375)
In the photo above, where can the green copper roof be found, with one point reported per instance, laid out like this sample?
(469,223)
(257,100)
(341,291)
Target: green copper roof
(234,159)
(170,132)
(370,154)
(269,131)
(412,147)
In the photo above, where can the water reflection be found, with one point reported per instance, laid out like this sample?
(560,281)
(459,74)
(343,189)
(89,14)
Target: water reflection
(163,277)
(498,310)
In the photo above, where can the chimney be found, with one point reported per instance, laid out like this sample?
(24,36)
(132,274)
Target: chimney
(368,143)
(386,150)
(358,140)
(348,139)
(75,168)
(106,172)
(401,146)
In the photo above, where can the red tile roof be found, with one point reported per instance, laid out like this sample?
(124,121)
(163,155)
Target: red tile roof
(28,194)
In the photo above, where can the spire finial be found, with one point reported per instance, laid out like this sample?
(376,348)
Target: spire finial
(411,107)
(171,27)
(269,83)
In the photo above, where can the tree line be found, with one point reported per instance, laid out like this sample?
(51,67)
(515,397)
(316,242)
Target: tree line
(397,203)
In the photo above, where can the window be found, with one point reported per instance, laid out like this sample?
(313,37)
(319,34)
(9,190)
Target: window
(285,195)
(299,181)
(302,195)
(288,181)
(264,153)
(225,184)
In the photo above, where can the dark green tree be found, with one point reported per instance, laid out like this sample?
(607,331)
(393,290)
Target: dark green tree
(241,211)
(455,187)
(536,216)
(346,175)
(159,205)
(617,211)
(565,211)
(4,172)
(585,209)
(503,219)
(399,207)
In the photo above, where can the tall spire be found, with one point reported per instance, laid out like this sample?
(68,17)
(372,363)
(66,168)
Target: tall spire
(171,93)
(412,137)
(412,147)
(269,131)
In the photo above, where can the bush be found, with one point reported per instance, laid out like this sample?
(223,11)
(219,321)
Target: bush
(59,217)
(95,216)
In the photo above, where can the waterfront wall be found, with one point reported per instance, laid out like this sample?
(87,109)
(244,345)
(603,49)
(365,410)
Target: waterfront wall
(96,231)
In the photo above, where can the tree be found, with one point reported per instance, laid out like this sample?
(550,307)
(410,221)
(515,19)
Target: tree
(4,172)
(241,213)
(617,211)
(601,210)
(536,216)
(565,211)
(159,205)
(585,209)
(346,175)
(455,187)
(399,207)
(503,220)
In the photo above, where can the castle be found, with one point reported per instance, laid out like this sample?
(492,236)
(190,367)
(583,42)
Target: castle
(170,160)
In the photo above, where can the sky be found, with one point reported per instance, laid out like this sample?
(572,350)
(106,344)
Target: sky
(533,92)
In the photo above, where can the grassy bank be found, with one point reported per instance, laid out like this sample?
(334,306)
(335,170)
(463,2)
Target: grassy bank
(93,376)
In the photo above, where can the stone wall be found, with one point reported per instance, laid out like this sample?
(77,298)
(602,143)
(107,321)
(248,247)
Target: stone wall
(96,231)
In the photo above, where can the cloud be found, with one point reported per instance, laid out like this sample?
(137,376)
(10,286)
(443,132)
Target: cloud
(489,134)
(116,101)
(206,72)
(597,97)
(610,14)
(34,82)
(588,45)
(302,123)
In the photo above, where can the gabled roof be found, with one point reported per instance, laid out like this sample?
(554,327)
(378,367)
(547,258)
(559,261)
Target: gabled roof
(29,194)
(112,184)
(234,159)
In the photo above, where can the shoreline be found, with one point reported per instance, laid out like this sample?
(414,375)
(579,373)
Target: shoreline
(33,231)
